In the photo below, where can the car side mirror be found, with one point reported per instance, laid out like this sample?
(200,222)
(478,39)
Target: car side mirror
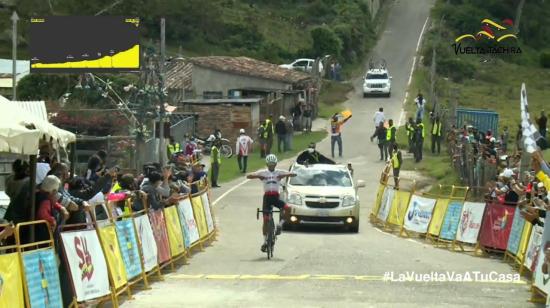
(360,184)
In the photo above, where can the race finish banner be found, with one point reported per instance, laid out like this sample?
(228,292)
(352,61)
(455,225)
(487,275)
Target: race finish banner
(175,238)
(11,282)
(128,247)
(419,214)
(207,212)
(533,247)
(385,206)
(542,279)
(496,227)
(451,221)
(470,222)
(87,264)
(199,216)
(111,250)
(42,278)
(188,223)
(437,216)
(399,207)
(515,233)
(161,235)
(147,241)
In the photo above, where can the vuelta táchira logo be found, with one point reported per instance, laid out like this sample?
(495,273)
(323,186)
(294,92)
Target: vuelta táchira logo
(499,39)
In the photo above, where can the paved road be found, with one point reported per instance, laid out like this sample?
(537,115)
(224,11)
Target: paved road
(324,267)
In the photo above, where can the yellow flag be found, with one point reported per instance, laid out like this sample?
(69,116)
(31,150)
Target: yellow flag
(198,210)
(399,207)
(438,215)
(111,249)
(346,113)
(11,282)
(173,228)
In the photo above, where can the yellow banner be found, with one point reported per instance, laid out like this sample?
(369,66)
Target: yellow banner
(111,249)
(378,200)
(173,228)
(198,210)
(524,242)
(11,282)
(399,207)
(437,216)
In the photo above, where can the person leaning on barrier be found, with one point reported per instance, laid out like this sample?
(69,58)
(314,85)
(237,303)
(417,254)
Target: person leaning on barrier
(6,232)
(47,207)
(156,202)
(396,163)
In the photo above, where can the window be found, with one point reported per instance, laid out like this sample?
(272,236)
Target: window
(376,76)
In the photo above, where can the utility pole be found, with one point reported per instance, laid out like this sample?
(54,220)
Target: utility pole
(162,148)
(14,19)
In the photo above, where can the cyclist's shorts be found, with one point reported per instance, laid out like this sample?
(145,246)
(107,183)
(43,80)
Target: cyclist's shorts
(270,201)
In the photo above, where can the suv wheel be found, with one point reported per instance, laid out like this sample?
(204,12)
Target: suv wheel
(364,95)
(354,228)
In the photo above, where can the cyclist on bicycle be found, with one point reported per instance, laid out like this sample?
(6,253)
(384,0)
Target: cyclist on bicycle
(271,178)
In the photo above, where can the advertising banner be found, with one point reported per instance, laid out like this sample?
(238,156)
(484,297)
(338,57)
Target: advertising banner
(451,221)
(147,242)
(11,282)
(437,216)
(515,233)
(470,222)
(198,210)
(111,250)
(188,223)
(496,226)
(524,242)
(87,264)
(378,199)
(175,237)
(42,278)
(419,214)
(207,212)
(129,247)
(161,235)
(385,205)
(542,268)
(399,207)
(533,247)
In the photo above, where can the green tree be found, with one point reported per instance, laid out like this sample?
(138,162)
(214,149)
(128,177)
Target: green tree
(325,42)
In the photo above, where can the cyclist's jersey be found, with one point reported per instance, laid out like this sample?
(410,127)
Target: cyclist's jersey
(271,181)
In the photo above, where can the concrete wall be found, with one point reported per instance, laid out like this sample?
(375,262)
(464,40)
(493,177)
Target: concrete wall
(210,80)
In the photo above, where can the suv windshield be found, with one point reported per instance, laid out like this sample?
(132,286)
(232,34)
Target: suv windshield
(376,76)
(312,177)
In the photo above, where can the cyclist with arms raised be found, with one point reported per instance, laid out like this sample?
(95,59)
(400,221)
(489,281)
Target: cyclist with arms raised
(271,178)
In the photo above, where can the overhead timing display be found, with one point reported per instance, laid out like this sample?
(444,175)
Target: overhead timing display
(84,44)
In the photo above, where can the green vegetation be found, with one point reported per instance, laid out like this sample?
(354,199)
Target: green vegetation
(333,94)
(229,169)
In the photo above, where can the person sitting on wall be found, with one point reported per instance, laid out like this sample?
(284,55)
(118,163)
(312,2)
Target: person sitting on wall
(311,156)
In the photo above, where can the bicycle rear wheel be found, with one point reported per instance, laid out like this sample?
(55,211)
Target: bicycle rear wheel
(270,239)
(226,151)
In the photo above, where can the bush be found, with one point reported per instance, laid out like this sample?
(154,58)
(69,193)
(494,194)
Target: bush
(455,68)
(545,59)
(326,42)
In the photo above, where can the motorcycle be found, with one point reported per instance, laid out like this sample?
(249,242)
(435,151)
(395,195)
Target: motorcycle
(205,146)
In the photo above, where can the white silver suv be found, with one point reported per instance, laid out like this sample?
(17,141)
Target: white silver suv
(377,81)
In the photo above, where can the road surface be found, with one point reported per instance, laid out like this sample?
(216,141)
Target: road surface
(324,267)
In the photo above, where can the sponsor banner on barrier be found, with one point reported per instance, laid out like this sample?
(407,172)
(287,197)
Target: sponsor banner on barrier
(378,199)
(207,212)
(175,237)
(524,242)
(533,247)
(451,221)
(496,226)
(188,223)
(198,210)
(419,214)
(42,278)
(542,271)
(470,222)
(385,205)
(11,282)
(87,264)
(128,247)
(147,240)
(399,207)
(437,216)
(515,233)
(111,250)
(161,235)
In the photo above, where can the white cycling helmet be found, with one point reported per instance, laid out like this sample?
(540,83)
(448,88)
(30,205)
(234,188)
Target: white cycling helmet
(271,159)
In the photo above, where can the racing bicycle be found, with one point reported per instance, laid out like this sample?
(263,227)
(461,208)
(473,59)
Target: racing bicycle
(271,231)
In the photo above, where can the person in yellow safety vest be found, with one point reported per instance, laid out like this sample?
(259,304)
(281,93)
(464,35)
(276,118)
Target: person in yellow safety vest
(396,162)
(262,135)
(172,148)
(409,126)
(419,136)
(436,135)
(390,137)
(216,161)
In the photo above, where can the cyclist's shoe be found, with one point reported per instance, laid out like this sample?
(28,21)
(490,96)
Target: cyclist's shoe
(278,230)
(264,247)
